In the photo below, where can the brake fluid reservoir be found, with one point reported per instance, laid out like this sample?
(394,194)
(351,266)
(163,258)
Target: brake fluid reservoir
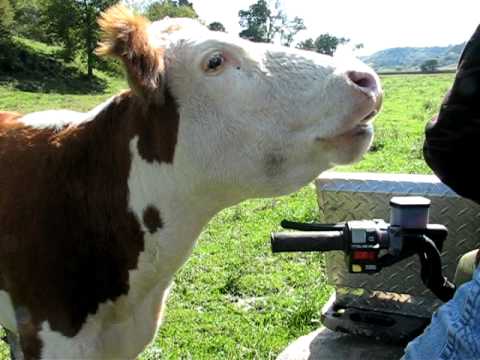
(409,212)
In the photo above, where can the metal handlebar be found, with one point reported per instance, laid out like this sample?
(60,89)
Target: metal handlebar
(370,245)
(307,241)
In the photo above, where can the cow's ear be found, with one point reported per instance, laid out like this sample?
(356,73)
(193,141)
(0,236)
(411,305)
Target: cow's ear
(125,36)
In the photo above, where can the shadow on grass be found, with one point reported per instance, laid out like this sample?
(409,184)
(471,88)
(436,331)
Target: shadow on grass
(26,69)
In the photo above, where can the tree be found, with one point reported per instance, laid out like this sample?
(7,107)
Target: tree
(138,6)
(308,44)
(429,65)
(28,19)
(184,3)
(289,29)
(217,26)
(359,46)
(160,9)
(324,44)
(73,23)
(256,22)
(262,24)
(6,18)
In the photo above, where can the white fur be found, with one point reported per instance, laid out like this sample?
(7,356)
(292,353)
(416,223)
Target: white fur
(267,124)
(57,119)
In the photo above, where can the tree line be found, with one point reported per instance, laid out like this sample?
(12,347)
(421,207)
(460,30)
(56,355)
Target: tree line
(266,22)
(72,24)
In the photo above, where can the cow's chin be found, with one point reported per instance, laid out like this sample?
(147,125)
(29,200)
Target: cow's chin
(350,147)
(343,149)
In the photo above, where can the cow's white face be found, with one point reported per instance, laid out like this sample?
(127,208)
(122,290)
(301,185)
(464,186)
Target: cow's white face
(255,119)
(264,120)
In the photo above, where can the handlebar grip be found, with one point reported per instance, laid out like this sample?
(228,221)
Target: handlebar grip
(307,241)
(292,225)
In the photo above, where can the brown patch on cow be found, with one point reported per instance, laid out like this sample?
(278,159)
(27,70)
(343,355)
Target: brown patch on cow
(151,219)
(125,36)
(9,118)
(67,236)
(148,145)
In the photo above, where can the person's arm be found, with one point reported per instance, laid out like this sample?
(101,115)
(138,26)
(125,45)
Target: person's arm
(452,144)
(452,150)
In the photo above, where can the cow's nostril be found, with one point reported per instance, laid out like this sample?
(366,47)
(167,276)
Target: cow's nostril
(364,80)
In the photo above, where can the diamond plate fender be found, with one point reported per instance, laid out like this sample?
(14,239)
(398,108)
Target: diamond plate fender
(397,289)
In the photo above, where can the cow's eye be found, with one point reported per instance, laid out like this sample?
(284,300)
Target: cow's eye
(214,63)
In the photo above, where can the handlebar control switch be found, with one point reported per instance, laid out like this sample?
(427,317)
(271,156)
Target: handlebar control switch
(362,255)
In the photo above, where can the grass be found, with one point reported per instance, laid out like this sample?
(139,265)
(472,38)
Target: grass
(234,299)
(410,102)
(35,67)
(14,99)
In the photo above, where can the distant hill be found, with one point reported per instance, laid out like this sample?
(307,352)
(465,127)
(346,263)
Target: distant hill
(410,58)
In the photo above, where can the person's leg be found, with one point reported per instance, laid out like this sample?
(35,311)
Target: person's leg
(454,333)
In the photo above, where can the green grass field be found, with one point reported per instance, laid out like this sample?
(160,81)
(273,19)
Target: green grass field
(410,102)
(234,299)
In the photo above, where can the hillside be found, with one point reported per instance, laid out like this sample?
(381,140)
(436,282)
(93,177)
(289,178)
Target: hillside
(34,76)
(410,58)
(36,67)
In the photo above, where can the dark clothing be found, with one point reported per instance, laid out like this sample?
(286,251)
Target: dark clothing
(452,145)
(452,150)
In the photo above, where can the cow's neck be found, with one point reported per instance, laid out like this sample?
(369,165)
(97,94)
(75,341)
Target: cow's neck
(135,190)
(173,212)
(171,207)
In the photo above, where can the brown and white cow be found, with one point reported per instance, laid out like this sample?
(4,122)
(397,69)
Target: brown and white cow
(98,210)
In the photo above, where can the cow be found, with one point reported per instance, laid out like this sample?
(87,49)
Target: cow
(98,210)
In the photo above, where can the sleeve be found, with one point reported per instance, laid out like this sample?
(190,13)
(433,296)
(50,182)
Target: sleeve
(454,332)
(452,139)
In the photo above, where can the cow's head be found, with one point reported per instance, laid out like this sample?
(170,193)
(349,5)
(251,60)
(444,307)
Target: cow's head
(255,119)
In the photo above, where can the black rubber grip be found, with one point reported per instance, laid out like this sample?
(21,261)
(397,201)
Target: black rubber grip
(307,241)
(292,225)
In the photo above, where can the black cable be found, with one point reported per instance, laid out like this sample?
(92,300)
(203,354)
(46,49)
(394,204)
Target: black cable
(431,270)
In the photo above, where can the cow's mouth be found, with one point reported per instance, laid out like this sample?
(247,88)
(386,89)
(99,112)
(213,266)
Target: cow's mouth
(369,116)
(358,127)
(363,128)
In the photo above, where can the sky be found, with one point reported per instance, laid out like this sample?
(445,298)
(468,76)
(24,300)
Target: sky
(377,24)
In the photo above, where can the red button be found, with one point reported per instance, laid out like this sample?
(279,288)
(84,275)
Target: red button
(364,255)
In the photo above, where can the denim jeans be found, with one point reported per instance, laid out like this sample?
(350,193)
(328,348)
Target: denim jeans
(454,332)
